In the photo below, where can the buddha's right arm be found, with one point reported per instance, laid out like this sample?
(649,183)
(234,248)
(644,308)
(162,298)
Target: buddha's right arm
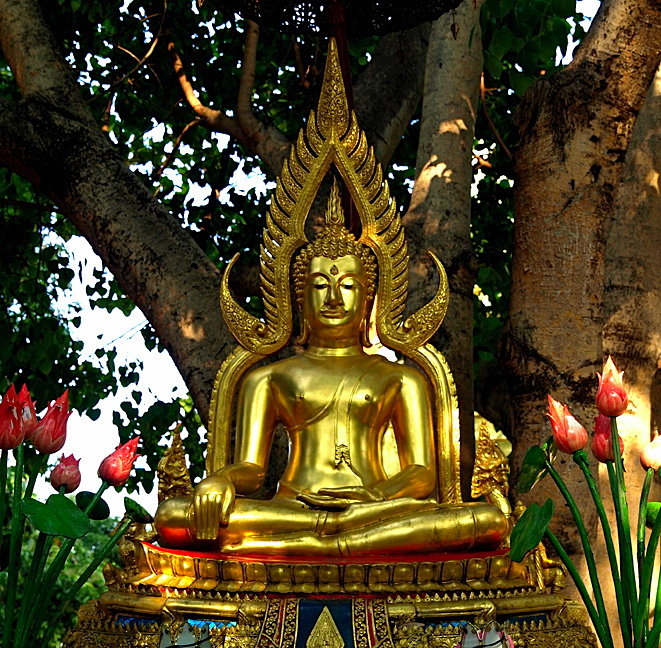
(213,498)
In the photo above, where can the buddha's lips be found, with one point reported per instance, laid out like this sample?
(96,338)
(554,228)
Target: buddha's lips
(335,314)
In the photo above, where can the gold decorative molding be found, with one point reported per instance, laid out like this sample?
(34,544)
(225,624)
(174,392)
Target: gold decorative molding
(487,574)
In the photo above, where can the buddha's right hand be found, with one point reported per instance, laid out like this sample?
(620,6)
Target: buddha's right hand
(213,500)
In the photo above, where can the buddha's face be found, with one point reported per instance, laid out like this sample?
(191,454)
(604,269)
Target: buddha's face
(335,303)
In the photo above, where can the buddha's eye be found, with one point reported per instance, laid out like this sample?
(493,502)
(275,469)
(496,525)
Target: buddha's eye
(349,285)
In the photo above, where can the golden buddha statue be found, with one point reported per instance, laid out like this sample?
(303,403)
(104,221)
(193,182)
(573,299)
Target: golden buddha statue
(335,401)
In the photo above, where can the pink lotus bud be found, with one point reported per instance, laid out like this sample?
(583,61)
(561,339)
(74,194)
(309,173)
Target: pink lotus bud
(51,432)
(612,398)
(66,473)
(11,433)
(650,457)
(569,435)
(602,441)
(27,415)
(116,467)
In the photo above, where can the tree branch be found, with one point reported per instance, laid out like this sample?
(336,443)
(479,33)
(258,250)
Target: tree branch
(487,116)
(389,90)
(214,120)
(140,61)
(175,148)
(267,142)
(250,125)
(35,60)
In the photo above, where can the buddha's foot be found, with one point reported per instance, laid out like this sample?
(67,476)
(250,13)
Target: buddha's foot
(291,544)
(362,514)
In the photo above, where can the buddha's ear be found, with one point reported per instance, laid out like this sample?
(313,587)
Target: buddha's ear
(304,336)
(365,334)
(365,326)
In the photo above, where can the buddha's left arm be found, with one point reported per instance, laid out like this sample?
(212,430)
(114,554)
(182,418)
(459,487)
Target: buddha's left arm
(413,425)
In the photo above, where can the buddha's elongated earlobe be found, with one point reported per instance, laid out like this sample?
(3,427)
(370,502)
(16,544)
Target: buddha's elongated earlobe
(304,336)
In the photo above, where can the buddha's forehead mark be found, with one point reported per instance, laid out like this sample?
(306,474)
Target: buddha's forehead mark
(344,265)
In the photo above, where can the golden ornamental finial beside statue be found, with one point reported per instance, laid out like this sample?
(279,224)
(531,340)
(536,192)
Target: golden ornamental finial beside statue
(336,401)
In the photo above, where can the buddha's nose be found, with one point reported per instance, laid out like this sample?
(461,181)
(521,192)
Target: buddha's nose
(334,296)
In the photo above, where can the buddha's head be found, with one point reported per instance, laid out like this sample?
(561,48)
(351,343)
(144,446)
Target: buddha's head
(334,282)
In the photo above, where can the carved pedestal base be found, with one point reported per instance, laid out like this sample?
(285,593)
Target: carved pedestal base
(172,598)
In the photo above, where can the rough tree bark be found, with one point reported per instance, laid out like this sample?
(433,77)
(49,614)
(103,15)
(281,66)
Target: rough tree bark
(439,214)
(632,295)
(575,128)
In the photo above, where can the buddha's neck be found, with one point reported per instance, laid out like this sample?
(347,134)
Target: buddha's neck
(331,348)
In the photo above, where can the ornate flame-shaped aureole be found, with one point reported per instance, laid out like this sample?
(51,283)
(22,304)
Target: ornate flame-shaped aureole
(332,138)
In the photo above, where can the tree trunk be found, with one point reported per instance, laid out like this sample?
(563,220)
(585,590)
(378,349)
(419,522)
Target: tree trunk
(439,215)
(632,296)
(575,128)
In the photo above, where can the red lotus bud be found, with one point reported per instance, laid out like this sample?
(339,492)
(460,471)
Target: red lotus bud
(650,457)
(602,441)
(27,415)
(11,432)
(612,398)
(51,432)
(116,467)
(66,473)
(569,435)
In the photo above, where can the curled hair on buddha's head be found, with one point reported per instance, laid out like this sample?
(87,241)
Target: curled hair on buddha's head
(334,241)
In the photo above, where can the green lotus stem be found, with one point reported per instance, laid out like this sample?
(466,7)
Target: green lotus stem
(38,610)
(585,541)
(625,621)
(628,585)
(601,627)
(36,569)
(640,545)
(14,549)
(3,491)
(82,579)
(640,620)
(620,497)
(653,639)
(656,624)
(642,515)
(39,465)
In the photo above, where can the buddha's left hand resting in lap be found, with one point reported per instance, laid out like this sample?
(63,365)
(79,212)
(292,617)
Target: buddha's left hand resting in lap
(335,402)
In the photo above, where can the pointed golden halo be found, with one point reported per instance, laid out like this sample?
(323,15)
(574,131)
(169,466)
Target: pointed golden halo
(332,138)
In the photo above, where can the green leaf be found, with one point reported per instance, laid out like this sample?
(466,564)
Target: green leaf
(529,530)
(500,42)
(653,509)
(59,516)
(136,512)
(101,511)
(492,64)
(563,8)
(520,82)
(533,469)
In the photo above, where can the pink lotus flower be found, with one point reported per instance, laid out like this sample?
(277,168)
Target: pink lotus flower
(66,473)
(27,415)
(569,435)
(650,457)
(612,398)
(116,467)
(51,432)
(11,433)
(602,441)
